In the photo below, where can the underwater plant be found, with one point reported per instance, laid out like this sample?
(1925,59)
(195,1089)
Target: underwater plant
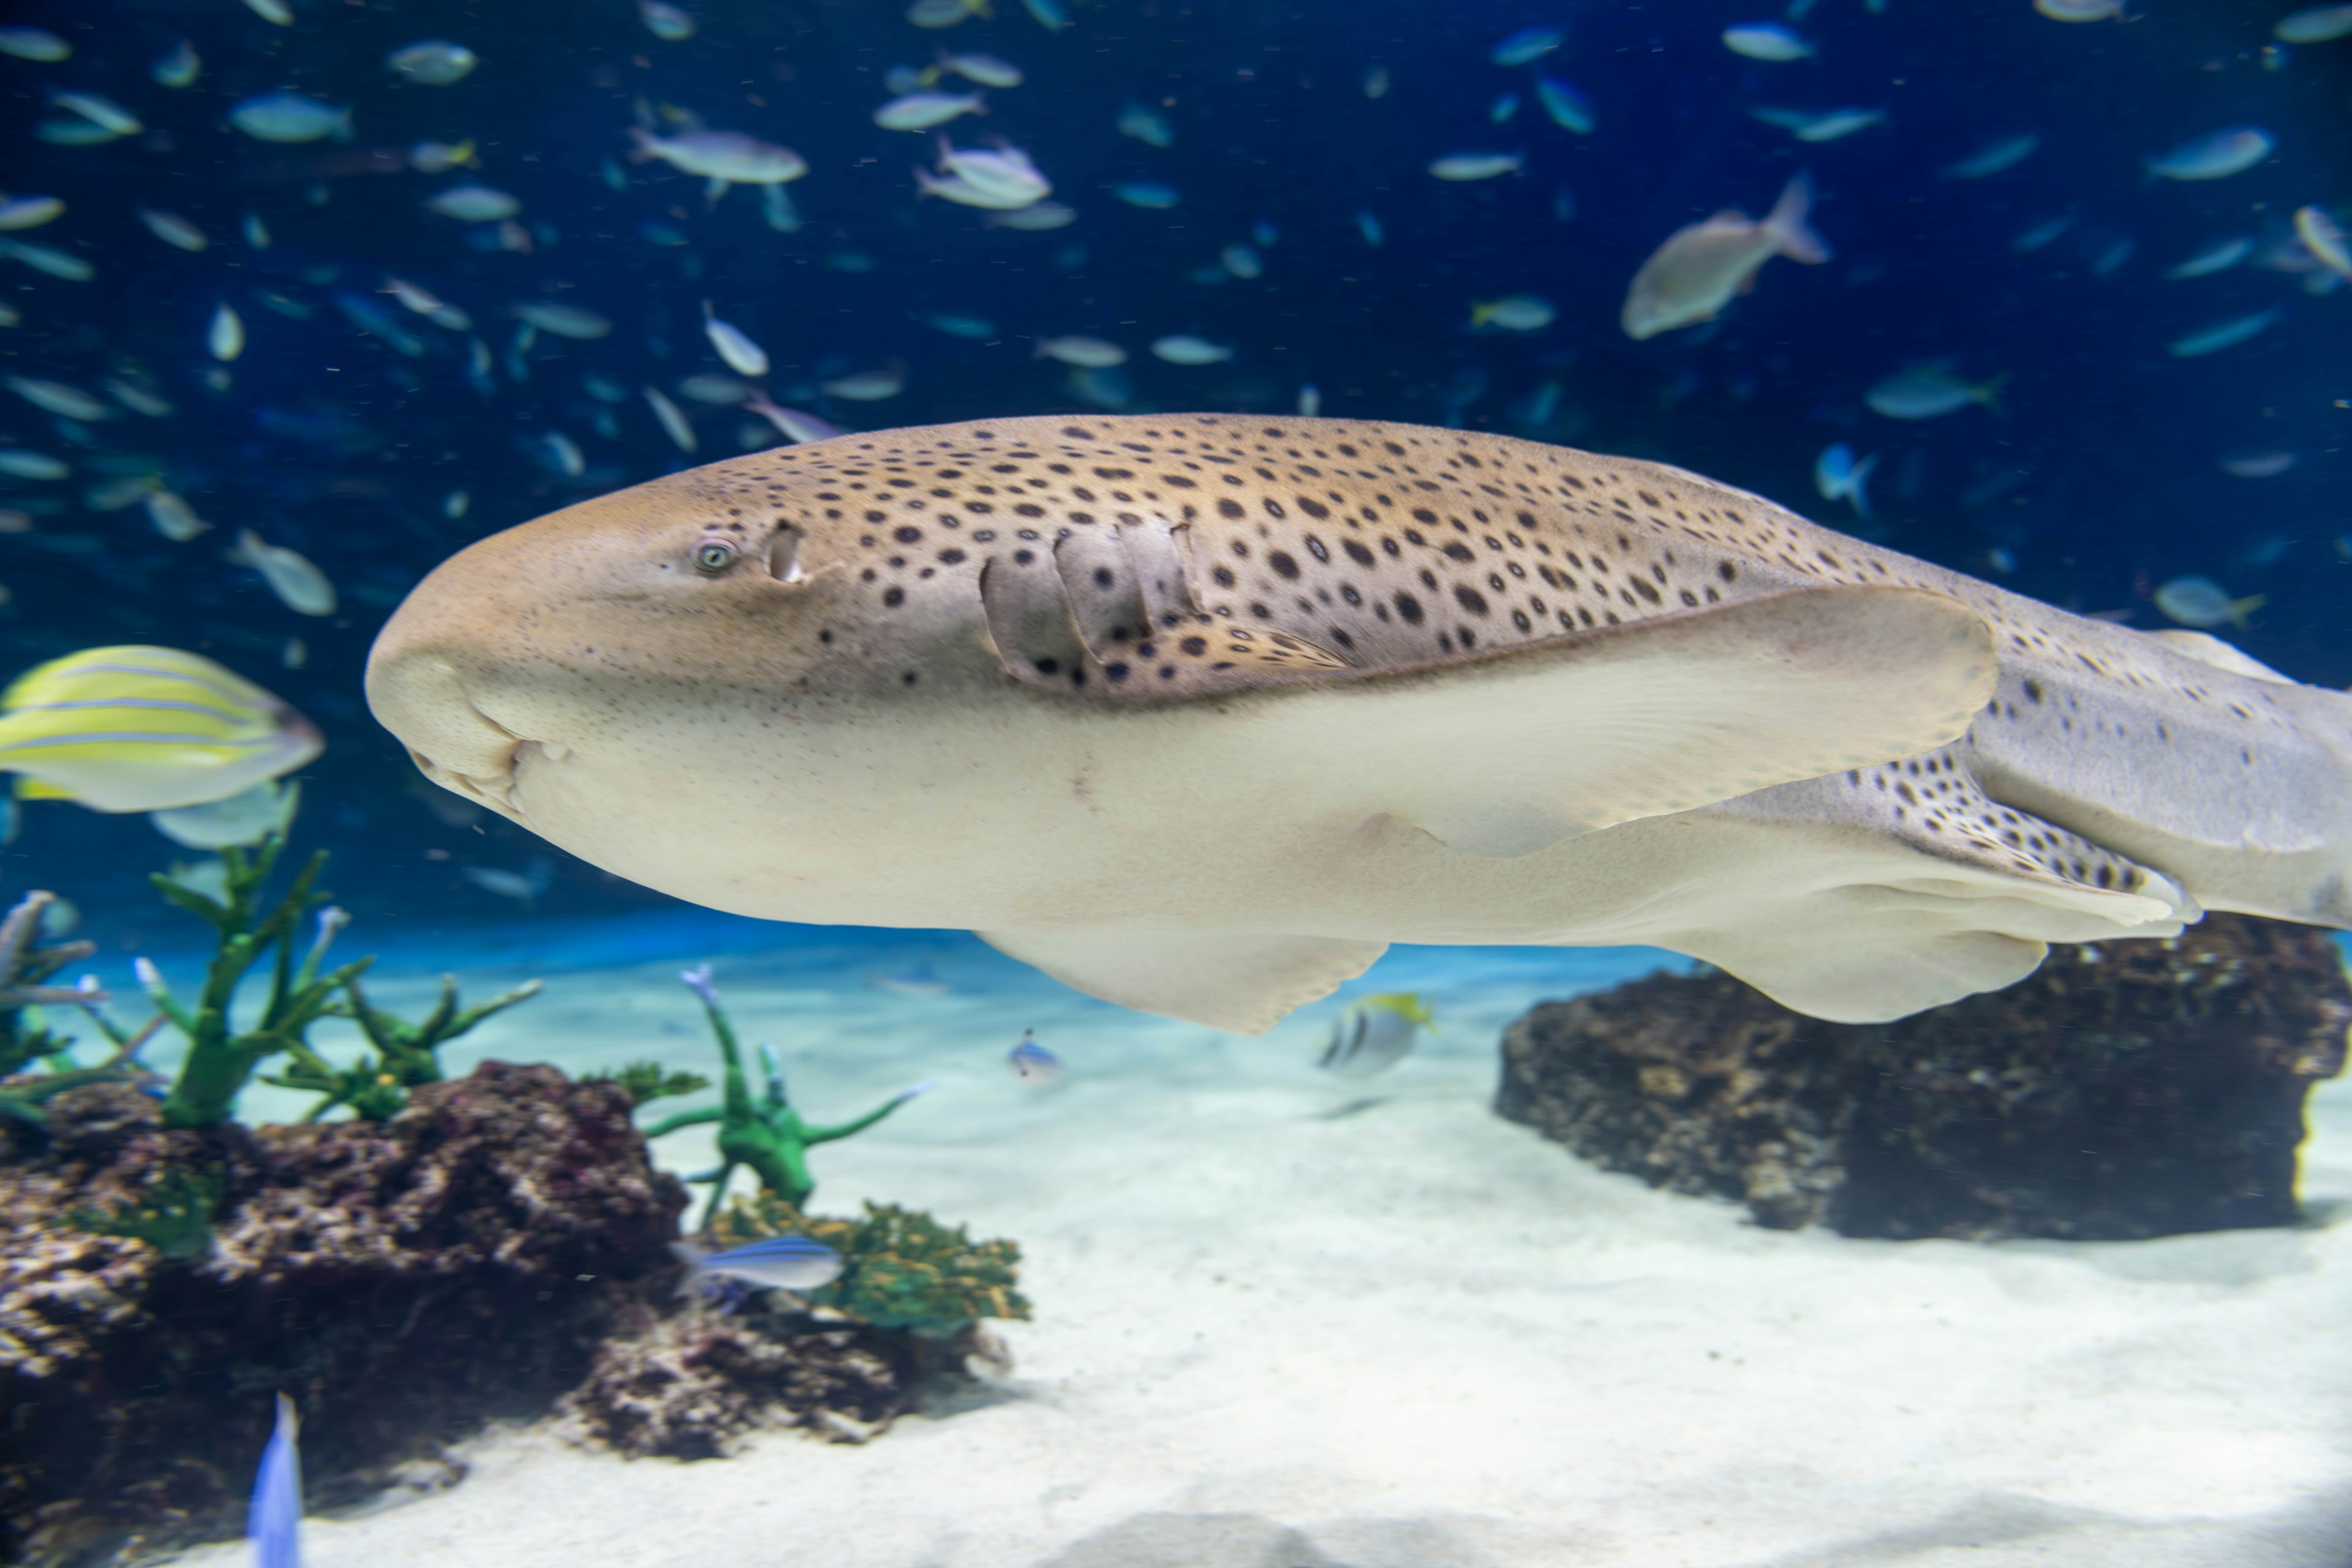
(766,1136)
(221,1055)
(26,1039)
(645,1081)
(406,1055)
(173,1216)
(900,1267)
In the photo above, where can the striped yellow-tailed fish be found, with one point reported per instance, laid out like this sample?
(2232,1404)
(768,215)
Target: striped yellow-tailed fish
(145,729)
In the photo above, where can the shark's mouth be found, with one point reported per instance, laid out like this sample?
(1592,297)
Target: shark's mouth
(423,700)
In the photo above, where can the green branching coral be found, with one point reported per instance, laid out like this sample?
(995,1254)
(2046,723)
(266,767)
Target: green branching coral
(900,1267)
(766,1136)
(646,1081)
(406,1055)
(173,1216)
(25,1037)
(222,1056)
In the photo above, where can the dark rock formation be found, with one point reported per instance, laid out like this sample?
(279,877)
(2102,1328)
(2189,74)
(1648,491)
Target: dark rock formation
(687,1383)
(2130,1089)
(405,1280)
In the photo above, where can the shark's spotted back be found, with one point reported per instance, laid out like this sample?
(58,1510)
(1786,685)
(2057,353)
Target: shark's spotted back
(1520,650)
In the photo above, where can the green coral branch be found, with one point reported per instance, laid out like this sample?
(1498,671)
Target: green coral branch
(221,1056)
(406,1055)
(645,1082)
(764,1135)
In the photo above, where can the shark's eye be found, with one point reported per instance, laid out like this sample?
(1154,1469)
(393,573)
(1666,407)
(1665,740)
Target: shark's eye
(713,556)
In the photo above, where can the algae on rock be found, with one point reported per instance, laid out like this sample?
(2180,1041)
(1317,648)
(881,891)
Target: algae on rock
(900,1267)
(766,1135)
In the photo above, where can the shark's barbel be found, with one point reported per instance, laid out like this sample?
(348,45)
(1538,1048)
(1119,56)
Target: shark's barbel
(1199,713)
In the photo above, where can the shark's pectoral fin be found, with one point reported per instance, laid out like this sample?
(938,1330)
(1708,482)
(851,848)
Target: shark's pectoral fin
(1242,981)
(1501,754)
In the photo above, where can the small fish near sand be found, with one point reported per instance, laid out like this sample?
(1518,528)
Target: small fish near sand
(1700,268)
(1031,1063)
(273,1518)
(1373,1034)
(794,1263)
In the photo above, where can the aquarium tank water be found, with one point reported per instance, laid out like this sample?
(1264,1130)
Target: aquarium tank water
(1175,783)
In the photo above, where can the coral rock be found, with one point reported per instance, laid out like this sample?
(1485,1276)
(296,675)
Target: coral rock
(2129,1089)
(688,1386)
(403,1280)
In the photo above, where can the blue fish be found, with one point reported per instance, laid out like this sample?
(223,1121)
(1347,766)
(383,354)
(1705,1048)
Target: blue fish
(1032,1063)
(778,1263)
(1527,44)
(273,1521)
(1838,476)
(1145,194)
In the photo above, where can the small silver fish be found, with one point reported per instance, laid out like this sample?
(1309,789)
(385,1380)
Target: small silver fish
(1994,157)
(100,111)
(781,1263)
(474,203)
(56,397)
(173,230)
(29,211)
(290,117)
(1460,167)
(523,887)
(743,357)
(1089,353)
(179,68)
(2214,156)
(565,320)
(924,111)
(672,419)
(791,423)
(2223,334)
(33,44)
(298,583)
(433,63)
(1183,348)
(1695,273)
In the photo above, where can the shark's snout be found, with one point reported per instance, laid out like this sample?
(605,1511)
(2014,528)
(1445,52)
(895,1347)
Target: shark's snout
(420,696)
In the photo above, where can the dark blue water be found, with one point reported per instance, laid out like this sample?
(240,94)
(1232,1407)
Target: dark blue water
(2098,480)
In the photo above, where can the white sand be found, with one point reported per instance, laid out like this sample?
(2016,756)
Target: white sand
(1283,1321)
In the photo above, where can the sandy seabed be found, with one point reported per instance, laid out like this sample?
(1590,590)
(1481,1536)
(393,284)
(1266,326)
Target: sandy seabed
(1285,1320)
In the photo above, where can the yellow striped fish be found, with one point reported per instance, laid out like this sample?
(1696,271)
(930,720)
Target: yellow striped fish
(145,729)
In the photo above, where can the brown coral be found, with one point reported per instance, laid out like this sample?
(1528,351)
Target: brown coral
(2128,1090)
(687,1383)
(403,1279)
